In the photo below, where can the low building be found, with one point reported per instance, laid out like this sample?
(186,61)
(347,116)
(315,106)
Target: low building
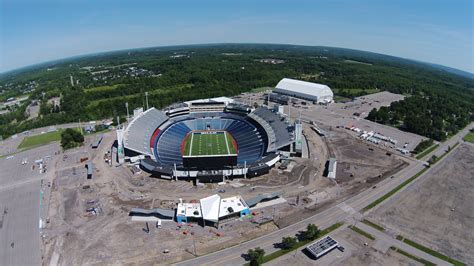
(188,212)
(211,209)
(233,206)
(322,246)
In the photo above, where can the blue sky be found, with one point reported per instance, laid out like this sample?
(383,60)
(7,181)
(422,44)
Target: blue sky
(433,31)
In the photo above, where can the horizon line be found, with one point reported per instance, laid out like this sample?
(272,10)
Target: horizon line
(72,57)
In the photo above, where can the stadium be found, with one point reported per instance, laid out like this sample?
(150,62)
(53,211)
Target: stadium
(207,140)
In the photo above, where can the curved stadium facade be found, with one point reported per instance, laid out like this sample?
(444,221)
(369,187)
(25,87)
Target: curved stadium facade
(208,140)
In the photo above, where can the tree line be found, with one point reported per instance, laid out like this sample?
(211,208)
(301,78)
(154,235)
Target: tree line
(209,71)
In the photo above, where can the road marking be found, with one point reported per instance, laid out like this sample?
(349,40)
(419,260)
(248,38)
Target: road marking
(19,183)
(346,208)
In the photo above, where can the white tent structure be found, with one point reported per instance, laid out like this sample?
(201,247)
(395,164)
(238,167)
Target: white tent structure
(315,92)
(210,208)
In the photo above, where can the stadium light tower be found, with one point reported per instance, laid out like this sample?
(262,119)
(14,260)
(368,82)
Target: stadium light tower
(126,106)
(289,110)
(268,100)
(146,97)
(245,172)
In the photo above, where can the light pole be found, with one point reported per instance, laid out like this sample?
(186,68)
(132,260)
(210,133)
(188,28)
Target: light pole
(126,106)
(146,97)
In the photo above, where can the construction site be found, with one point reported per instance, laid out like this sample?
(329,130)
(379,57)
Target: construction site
(89,219)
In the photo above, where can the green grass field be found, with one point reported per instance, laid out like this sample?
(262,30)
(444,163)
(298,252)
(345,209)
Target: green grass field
(374,225)
(357,62)
(103,88)
(432,252)
(341,99)
(420,260)
(40,139)
(362,232)
(428,150)
(261,89)
(209,143)
(469,137)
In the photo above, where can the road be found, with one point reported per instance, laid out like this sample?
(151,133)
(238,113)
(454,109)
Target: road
(340,212)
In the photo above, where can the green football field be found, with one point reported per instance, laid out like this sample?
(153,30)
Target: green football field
(209,143)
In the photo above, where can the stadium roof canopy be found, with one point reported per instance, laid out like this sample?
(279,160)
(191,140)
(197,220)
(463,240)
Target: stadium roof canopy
(225,100)
(305,90)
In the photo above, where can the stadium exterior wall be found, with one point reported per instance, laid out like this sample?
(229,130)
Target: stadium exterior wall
(209,162)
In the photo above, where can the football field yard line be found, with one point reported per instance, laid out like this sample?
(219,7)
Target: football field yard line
(191,144)
(226,142)
(216,141)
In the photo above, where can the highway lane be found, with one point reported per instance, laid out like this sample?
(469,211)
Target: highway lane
(233,255)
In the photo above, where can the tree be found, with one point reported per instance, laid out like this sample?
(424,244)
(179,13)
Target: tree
(372,115)
(289,242)
(71,138)
(312,232)
(256,256)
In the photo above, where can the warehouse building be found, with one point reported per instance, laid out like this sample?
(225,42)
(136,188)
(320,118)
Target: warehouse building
(317,93)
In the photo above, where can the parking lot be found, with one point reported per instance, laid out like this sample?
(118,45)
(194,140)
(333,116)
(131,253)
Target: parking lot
(21,204)
(352,114)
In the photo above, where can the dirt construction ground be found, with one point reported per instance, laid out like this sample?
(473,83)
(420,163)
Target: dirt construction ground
(438,212)
(359,167)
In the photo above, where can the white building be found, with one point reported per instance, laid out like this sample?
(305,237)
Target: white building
(332,168)
(211,209)
(309,91)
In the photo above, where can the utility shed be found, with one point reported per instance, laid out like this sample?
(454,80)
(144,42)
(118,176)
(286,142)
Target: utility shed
(309,91)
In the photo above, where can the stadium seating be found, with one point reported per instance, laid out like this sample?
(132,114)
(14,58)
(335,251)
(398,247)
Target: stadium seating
(279,131)
(140,130)
(153,133)
(251,145)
